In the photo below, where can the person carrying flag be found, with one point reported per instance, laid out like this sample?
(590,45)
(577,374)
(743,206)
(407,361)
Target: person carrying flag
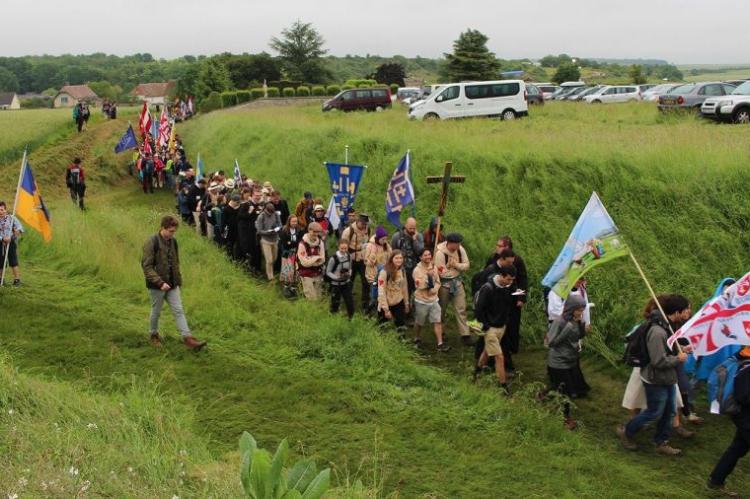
(10,230)
(75,179)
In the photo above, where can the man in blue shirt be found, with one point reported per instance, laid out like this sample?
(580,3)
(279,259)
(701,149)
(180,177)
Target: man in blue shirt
(10,230)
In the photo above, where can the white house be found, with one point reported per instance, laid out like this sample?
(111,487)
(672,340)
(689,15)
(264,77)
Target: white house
(69,95)
(155,93)
(9,100)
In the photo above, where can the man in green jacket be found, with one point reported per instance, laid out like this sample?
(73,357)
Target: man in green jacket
(161,267)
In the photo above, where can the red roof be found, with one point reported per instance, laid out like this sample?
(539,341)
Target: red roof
(78,92)
(153,89)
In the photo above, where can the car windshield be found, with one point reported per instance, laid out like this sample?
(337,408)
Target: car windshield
(743,89)
(683,89)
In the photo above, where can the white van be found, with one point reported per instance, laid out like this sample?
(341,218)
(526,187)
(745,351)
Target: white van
(504,98)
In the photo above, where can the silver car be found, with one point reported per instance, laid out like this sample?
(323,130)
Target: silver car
(692,95)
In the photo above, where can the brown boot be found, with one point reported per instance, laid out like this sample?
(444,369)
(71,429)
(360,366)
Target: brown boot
(194,344)
(156,339)
(570,424)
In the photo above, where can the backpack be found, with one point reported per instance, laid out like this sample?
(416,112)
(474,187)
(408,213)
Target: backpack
(336,263)
(636,347)
(721,386)
(480,278)
(475,299)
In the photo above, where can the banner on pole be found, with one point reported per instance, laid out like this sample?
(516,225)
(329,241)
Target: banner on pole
(400,191)
(345,180)
(594,240)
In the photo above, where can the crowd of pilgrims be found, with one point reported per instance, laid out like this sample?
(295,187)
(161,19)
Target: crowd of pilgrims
(414,276)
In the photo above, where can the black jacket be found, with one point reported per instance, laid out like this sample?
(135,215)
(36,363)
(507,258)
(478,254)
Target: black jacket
(494,304)
(522,276)
(194,195)
(283,210)
(288,243)
(742,395)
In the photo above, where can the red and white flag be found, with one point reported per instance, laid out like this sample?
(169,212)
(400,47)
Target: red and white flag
(163,129)
(145,121)
(724,320)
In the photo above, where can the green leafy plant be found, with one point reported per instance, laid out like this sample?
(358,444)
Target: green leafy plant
(264,477)
(394,87)
(211,103)
(228,99)
(273,92)
(333,89)
(303,91)
(318,90)
(243,96)
(288,92)
(256,93)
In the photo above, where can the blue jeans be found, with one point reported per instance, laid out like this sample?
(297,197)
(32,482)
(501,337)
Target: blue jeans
(660,402)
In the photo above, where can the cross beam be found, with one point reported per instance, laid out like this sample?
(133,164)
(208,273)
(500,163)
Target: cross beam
(445,180)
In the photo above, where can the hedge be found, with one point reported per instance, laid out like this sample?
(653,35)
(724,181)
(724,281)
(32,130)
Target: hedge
(211,103)
(287,92)
(394,88)
(333,89)
(256,93)
(243,96)
(228,99)
(318,90)
(284,84)
(360,83)
(303,91)
(346,87)
(364,85)
(273,92)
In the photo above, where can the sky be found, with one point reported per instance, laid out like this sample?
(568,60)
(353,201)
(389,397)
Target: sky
(679,31)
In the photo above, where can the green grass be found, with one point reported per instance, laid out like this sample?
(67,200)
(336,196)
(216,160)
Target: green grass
(32,128)
(719,75)
(346,393)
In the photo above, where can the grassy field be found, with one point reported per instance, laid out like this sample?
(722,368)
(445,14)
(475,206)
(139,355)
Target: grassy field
(32,128)
(346,393)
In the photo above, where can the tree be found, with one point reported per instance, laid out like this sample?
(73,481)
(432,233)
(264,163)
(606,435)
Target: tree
(213,77)
(471,60)
(187,83)
(390,72)
(554,61)
(248,69)
(301,49)
(8,81)
(567,71)
(636,74)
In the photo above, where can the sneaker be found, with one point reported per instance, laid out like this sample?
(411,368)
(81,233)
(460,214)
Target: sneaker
(695,419)
(155,339)
(467,341)
(16,282)
(443,348)
(667,450)
(627,442)
(504,389)
(193,344)
(417,343)
(721,489)
(683,432)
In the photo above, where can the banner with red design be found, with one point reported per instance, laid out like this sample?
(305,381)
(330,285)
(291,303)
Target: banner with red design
(725,320)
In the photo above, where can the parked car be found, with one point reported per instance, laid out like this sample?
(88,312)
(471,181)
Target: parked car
(548,89)
(736,83)
(614,93)
(588,91)
(653,93)
(504,98)
(644,88)
(734,107)
(406,92)
(369,99)
(575,95)
(535,95)
(692,95)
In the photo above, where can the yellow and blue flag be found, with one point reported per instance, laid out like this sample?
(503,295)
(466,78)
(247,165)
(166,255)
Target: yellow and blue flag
(400,191)
(29,204)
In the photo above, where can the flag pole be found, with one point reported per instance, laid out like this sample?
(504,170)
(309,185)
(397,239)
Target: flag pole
(411,181)
(346,155)
(653,295)
(13,218)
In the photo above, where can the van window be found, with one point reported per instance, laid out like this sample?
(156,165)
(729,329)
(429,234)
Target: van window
(449,93)
(610,91)
(347,96)
(379,93)
(363,94)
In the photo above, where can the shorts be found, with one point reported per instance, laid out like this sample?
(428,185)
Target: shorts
(492,339)
(427,312)
(12,254)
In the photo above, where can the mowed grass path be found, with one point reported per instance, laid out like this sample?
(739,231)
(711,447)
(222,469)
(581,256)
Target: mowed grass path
(345,393)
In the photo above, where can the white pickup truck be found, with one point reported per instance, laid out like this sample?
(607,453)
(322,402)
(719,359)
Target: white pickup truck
(734,107)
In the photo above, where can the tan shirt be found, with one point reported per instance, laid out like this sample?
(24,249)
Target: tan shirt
(375,255)
(447,262)
(391,292)
(356,239)
(422,293)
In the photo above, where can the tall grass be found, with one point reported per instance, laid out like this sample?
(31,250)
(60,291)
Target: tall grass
(32,128)
(674,185)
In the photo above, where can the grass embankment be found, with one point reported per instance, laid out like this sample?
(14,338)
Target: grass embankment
(32,128)
(344,393)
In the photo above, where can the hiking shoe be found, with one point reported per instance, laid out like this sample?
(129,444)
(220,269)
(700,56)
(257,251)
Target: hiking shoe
(695,419)
(504,389)
(156,340)
(467,341)
(627,442)
(417,343)
(570,424)
(721,489)
(193,344)
(667,450)
(443,348)
(683,432)
(475,375)
(16,282)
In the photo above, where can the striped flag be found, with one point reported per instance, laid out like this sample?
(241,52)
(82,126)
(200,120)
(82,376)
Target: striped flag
(163,128)
(145,121)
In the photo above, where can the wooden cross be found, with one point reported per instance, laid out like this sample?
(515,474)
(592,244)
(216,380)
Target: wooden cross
(446,179)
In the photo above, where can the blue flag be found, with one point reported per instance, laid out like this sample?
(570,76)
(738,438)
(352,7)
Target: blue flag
(199,164)
(128,141)
(345,181)
(400,192)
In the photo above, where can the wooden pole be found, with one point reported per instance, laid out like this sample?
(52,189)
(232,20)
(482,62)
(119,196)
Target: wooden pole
(653,295)
(12,219)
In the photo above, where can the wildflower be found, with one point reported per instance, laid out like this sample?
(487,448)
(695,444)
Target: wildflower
(92,426)
(22,482)
(73,471)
